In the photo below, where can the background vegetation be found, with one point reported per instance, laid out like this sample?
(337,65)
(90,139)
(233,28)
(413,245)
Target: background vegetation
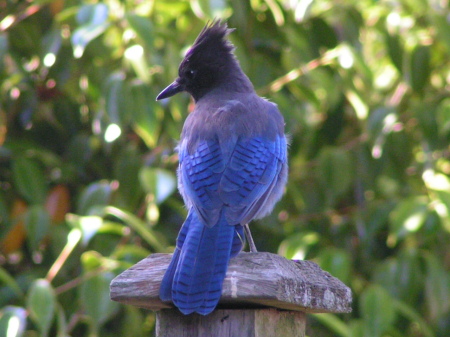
(87,166)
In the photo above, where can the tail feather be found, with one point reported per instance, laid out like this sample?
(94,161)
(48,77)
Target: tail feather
(202,265)
(165,290)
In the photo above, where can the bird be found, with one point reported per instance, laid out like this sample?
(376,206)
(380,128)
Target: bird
(232,168)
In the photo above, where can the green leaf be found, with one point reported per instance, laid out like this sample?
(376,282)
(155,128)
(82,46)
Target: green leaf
(4,49)
(95,195)
(210,8)
(13,321)
(92,261)
(133,322)
(80,150)
(126,170)
(115,98)
(86,227)
(144,116)
(335,324)
(7,224)
(41,305)
(93,14)
(85,34)
(335,172)
(420,67)
(61,322)
(29,179)
(414,316)
(298,245)
(139,226)
(143,28)
(337,262)
(377,310)
(51,43)
(37,224)
(391,275)
(437,287)
(395,50)
(322,34)
(94,296)
(94,22)
(408,216)
(130,253)
(440,23)
(8,280)
(158,182)
(427,117)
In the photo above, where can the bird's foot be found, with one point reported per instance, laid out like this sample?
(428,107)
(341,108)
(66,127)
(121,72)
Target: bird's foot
(249,237)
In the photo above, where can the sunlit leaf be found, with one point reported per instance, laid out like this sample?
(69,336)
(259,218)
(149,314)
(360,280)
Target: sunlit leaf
(297,246)
(51,46)
(408,216)
(161,183)
(85,226)
(138,225)
(94,22)
(41,305)
(13,321)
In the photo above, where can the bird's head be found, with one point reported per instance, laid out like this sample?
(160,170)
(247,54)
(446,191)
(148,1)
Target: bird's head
(207,63)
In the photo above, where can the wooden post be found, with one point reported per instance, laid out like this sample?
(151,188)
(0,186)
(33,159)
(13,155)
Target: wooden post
(263,295)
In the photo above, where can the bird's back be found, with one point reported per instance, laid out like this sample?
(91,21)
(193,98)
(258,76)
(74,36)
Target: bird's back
(242,126)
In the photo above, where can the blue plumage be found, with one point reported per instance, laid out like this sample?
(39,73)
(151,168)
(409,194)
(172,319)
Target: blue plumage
(233,168)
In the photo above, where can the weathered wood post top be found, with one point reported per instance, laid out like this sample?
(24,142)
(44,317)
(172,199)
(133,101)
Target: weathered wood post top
(262,293)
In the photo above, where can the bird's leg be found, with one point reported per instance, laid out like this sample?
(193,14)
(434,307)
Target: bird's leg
(249,237)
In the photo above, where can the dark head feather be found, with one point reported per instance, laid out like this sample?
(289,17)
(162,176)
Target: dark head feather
(211,47)
(208,64)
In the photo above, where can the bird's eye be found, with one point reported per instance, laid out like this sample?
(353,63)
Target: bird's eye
(190,74)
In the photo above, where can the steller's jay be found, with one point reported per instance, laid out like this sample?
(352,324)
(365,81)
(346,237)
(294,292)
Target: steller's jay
(232,169)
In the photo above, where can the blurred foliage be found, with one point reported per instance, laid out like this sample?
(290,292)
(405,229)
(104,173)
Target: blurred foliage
(87,161)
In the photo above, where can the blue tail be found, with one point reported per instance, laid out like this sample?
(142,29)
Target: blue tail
(165,290)
(195,275)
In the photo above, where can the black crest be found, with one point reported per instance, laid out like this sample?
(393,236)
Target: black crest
(208,64)
(211,44)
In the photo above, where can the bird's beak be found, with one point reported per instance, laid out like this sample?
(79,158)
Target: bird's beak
(172,89)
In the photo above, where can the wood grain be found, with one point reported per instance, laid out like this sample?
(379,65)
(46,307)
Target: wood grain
(254,280)
(231,323)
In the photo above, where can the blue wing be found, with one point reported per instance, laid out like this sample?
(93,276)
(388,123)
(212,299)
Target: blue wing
(247,182)
(254,179)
